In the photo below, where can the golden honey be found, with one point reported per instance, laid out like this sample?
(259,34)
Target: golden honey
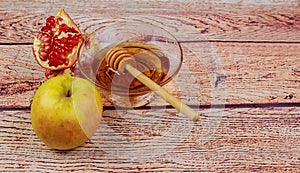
(146,57)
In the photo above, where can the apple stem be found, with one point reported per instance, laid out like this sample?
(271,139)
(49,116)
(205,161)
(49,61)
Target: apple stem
(68,93)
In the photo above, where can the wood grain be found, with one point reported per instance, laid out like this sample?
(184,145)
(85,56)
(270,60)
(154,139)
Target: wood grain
(250,73)
(238,140)
(259,72)
(241,72)
(188,21)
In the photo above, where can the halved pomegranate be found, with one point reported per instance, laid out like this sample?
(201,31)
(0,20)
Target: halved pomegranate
(56,47)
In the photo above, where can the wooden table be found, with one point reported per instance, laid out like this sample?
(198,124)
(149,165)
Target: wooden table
(241,72)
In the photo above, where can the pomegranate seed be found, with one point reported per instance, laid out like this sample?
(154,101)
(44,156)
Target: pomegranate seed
(45,37)
(75,42)
(43,55)
(46,29)
(56,41)
(69,47)
(64,27)
(63,40)
(53,30)
(66,61)
(42,50)
(59,51)
(47,48)
(62,50)
(73,30)
(50,19)
(59,19)
(67,51)
(46,43)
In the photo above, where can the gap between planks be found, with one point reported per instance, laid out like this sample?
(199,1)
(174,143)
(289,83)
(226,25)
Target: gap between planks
(204,106)
(192,41)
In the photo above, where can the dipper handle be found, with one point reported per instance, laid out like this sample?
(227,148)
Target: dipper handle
(175,102)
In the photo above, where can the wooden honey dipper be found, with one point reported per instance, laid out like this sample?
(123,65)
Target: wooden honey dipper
(120,60)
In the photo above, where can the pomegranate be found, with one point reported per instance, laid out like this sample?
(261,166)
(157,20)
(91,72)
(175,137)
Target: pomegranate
(52,73)
(56,46)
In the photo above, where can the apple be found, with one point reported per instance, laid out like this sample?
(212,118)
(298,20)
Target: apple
(66,111)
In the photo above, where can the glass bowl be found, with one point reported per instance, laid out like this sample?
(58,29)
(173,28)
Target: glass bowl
(155,51)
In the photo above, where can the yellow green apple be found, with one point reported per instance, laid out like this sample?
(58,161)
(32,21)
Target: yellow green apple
(66,111)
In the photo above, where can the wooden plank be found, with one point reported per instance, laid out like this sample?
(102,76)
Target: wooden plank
(240,72)
(230,140)
(18,84)
(197,20)
(257,72)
